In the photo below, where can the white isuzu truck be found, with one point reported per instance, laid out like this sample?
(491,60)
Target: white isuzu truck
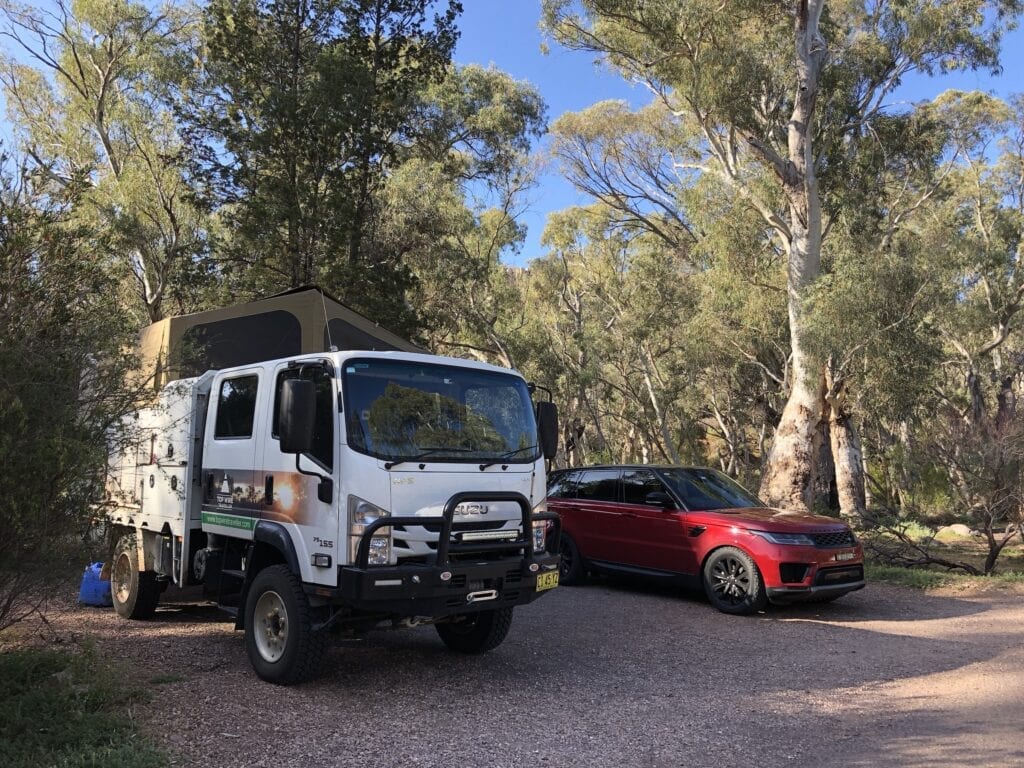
(337,490)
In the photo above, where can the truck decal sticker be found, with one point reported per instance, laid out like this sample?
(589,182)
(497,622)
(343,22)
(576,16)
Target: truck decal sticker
(229,521)
(243,493)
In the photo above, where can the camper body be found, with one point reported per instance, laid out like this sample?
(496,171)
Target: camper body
(338,490)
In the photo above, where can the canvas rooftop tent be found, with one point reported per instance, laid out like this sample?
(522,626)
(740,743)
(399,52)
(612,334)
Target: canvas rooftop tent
(290,323)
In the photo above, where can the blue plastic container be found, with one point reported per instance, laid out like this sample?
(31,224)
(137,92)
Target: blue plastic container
(94,591)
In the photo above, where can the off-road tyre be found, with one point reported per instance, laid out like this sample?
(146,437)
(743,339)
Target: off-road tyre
(733,583)
(280,641)
(135,594)
(476,632)
(571,567)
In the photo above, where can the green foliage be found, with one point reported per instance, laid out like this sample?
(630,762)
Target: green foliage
(93,105)
(63,367)
(299,113)
(918,578)
(70,709)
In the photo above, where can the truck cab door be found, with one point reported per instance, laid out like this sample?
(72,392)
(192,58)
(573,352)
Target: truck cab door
(231,494)
(290,497)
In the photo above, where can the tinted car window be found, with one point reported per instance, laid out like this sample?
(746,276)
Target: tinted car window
(236,407)
(708,489)
(599,485)
(637,483)
(563,485)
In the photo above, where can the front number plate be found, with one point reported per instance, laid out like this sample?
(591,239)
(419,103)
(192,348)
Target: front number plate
(845,556)
(547,580)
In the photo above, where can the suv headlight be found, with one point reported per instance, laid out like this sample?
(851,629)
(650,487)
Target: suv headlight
(360,514)
(785,538)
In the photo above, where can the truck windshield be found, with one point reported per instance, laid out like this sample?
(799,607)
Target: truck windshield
(397,410)
(705,489)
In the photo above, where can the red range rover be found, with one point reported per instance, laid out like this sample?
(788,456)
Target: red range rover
(700,525)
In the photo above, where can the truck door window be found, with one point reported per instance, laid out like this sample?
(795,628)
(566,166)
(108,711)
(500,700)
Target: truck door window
(236,408)
(323,428)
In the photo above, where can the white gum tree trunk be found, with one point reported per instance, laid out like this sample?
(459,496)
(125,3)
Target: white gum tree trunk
(788,477)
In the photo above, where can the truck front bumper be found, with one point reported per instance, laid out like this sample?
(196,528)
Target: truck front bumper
(463,576)
(458,587)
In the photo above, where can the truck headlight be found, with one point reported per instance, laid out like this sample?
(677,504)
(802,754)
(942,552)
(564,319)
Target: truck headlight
(540,532)
(540,527)
(360,514)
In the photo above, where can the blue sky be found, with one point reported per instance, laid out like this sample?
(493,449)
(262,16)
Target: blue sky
(506,33)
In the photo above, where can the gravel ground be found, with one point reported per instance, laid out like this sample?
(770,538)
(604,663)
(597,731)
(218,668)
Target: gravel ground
(610,674)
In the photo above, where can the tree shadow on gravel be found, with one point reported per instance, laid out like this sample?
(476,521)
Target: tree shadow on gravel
(898,604)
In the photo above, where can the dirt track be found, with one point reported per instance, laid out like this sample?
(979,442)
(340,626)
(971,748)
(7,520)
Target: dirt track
(610,674)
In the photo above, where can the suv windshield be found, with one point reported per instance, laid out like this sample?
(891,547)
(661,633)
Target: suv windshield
(404,410)
(701,489)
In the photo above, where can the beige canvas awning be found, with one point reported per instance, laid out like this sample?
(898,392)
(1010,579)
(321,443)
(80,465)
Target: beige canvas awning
(296,322)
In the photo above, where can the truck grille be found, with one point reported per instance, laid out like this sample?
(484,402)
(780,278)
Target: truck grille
(834,539)
(483,525)
(403,545)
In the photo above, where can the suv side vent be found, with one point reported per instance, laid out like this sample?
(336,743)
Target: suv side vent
(792,573)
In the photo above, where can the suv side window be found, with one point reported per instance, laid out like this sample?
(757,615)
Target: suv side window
(323,427)
(599,485)
(564,485)
(236,408)
(637,483)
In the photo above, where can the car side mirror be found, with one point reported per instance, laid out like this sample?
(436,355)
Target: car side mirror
(547,428)
(659,499)
(296,415)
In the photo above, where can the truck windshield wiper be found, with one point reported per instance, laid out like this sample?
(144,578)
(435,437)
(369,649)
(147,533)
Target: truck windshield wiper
(506,455)
(426,454)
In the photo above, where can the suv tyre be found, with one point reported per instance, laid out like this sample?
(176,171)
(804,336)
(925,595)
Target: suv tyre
(733,583)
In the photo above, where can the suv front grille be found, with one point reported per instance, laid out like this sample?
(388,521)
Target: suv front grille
(835,539)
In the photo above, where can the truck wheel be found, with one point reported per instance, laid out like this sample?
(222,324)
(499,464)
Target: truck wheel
(732,582)
(477,632)
(135,594)
(282,645)
(572,569)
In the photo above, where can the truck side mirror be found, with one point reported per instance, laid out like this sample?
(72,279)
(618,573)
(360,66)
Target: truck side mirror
(547,428)
(296,415)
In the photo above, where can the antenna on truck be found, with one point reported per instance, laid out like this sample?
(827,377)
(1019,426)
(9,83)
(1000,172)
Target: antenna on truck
(327,324)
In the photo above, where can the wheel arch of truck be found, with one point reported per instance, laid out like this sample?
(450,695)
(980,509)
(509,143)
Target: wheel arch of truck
(271,545)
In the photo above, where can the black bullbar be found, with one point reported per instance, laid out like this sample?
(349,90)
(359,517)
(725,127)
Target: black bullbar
(444,586)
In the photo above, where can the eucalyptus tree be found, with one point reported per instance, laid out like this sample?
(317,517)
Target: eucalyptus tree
(779,96)
(88,86)
(973,432)
(450,208)
(297,118)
